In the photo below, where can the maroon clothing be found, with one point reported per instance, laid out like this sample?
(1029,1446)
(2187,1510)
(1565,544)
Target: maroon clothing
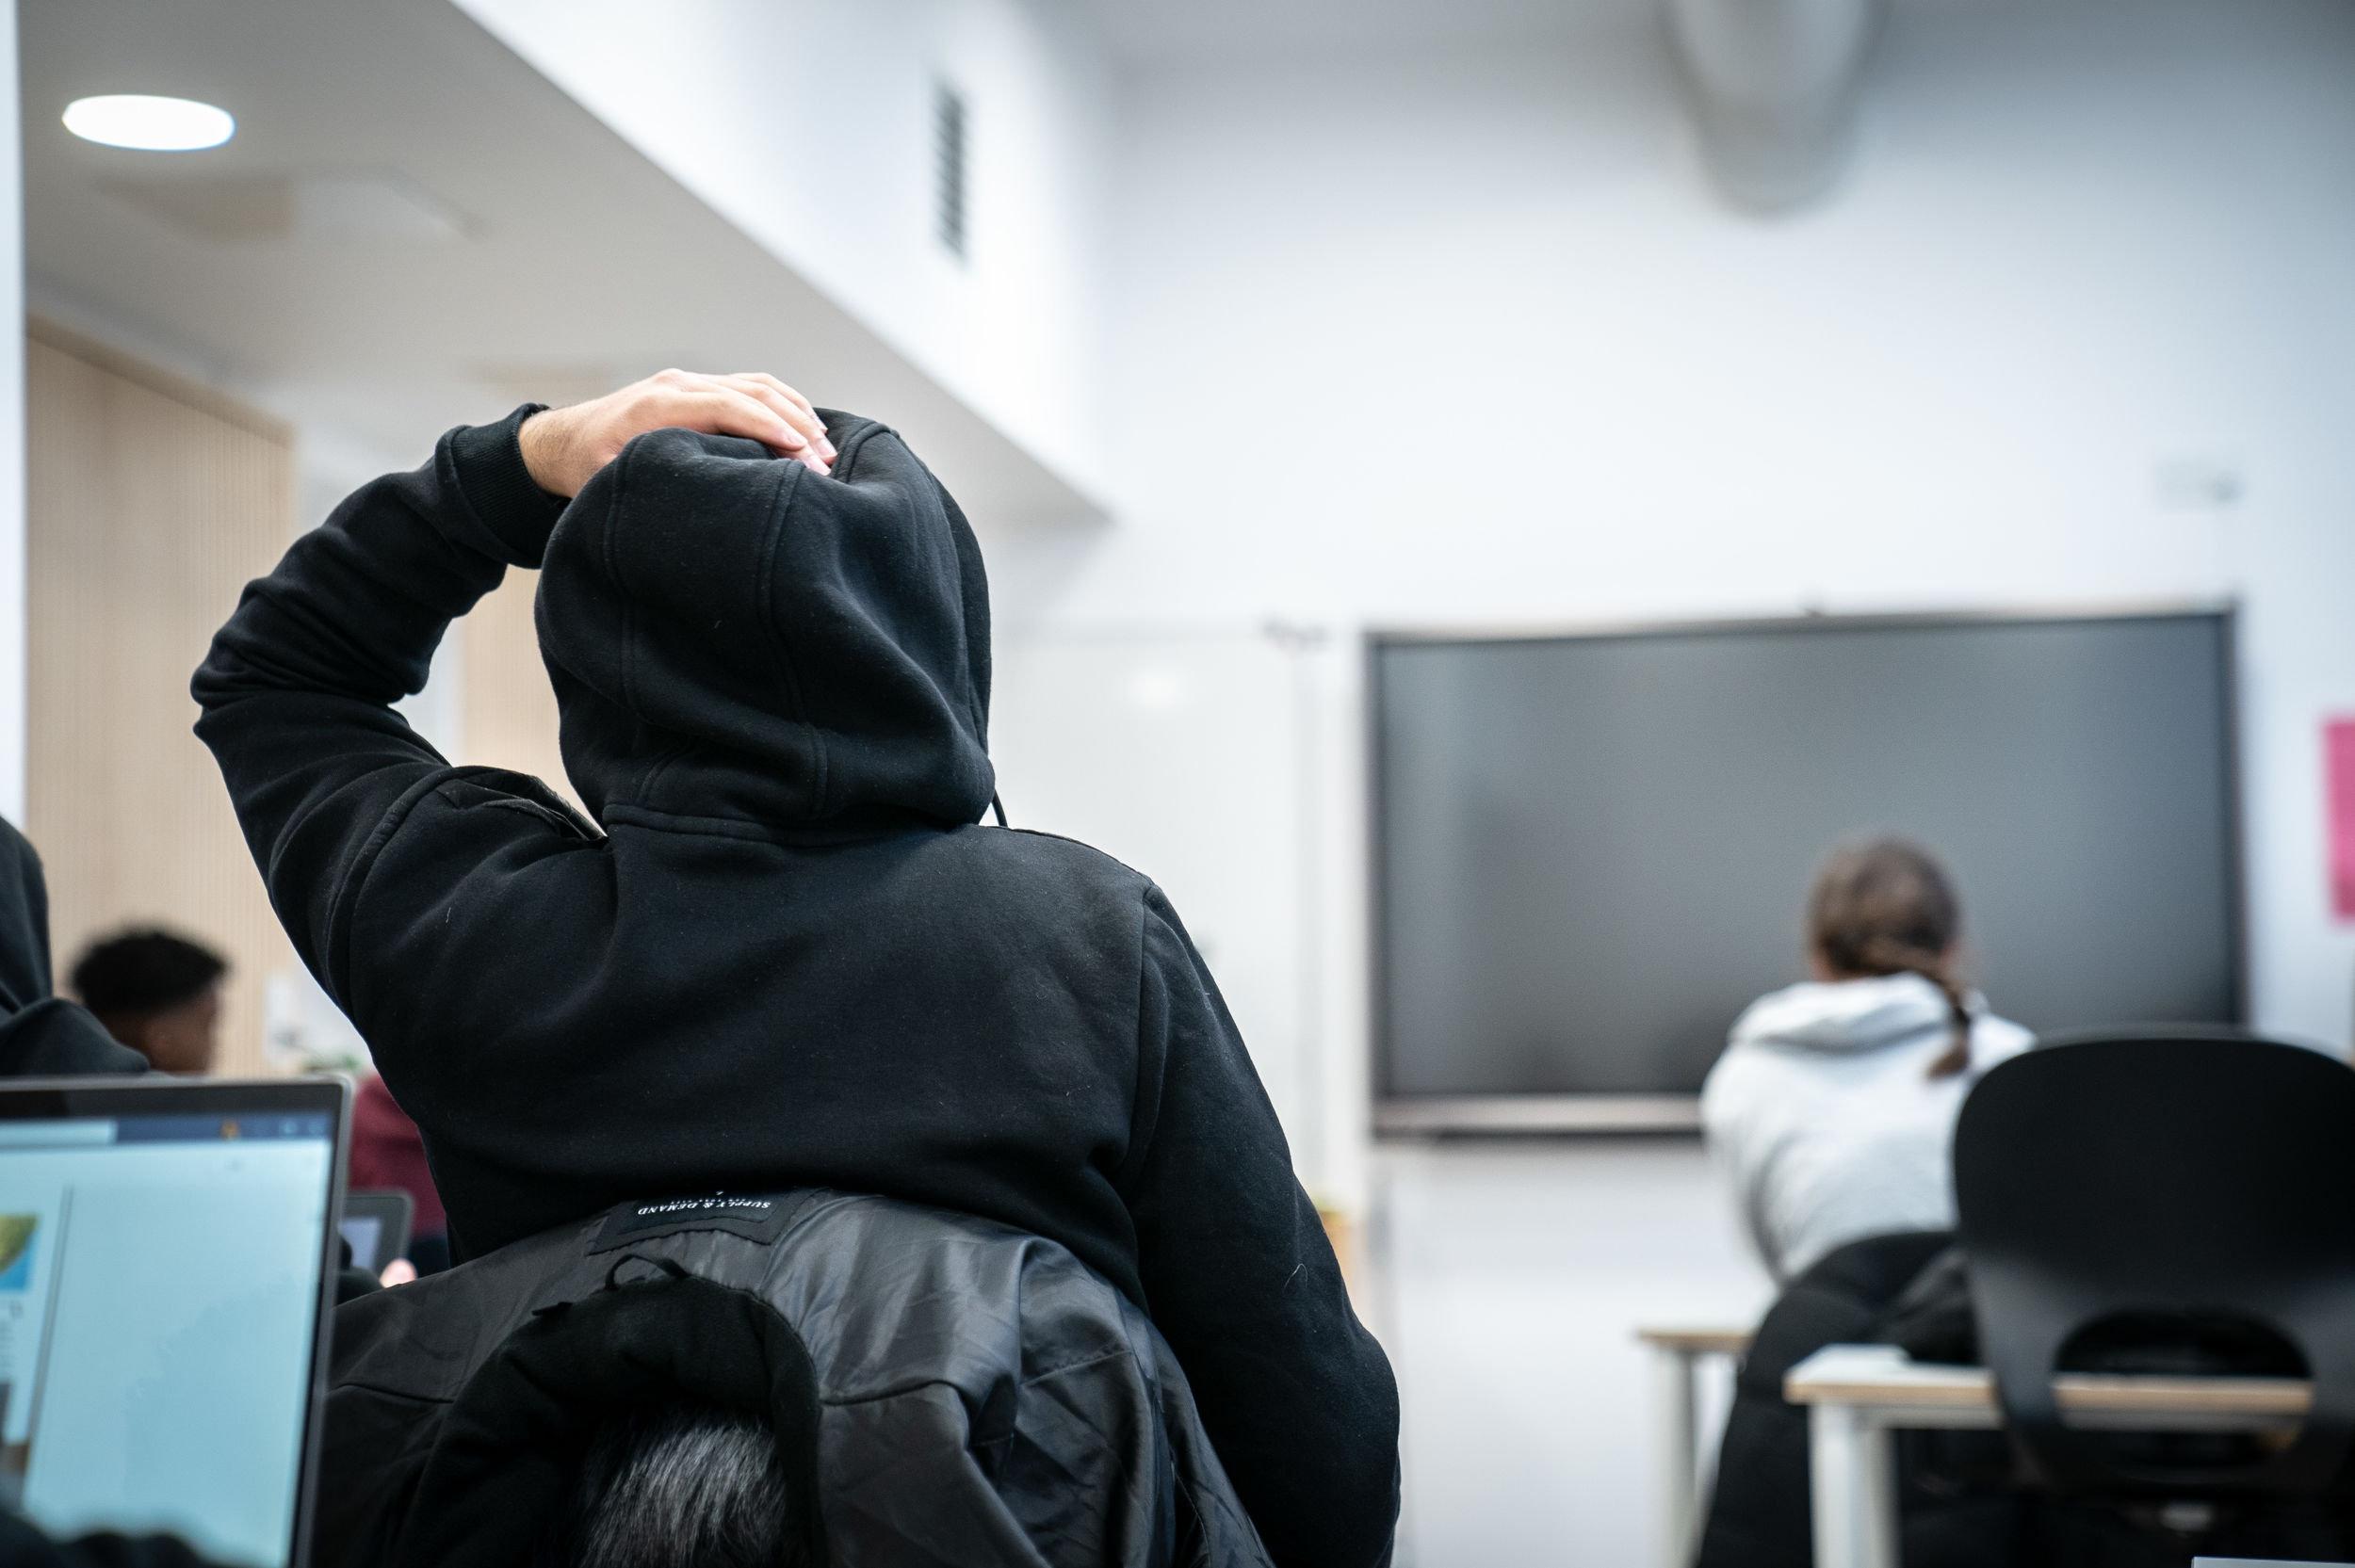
(387,1152)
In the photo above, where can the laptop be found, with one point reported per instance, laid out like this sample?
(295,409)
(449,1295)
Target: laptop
(376,1223)
(167,1251)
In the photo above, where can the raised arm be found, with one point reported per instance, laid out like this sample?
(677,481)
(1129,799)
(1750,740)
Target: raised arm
(1297,1397)
(298,689)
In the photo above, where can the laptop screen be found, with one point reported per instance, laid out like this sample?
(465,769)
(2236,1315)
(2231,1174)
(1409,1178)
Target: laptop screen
(162,1268)
(364,1235)
(375,1227)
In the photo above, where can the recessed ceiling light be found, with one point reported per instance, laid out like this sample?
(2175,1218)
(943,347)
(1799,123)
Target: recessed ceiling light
(150,124)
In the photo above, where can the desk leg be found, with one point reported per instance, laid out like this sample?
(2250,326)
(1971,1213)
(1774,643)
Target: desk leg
(1852,1475)
(1677,1423)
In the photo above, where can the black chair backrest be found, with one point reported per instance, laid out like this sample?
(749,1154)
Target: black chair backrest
(2180,1178)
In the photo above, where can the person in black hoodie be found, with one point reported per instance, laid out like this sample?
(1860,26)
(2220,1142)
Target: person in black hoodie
(782,952)
(42,1034)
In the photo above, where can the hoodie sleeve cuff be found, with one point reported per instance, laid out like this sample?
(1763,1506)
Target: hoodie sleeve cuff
(489,463)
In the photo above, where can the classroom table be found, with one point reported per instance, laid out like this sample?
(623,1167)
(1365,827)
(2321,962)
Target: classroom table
(1677,1354)
(1858,1395)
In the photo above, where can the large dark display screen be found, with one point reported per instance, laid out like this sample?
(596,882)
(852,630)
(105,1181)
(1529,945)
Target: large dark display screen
(1592,851)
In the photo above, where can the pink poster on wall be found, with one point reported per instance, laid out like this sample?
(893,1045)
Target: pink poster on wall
(2338,772)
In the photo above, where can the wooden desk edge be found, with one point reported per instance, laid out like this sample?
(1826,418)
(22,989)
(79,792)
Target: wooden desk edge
(1695,1341)
(1897,1381)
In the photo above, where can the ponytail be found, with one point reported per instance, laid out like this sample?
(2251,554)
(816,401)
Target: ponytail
(1891,958)
(1955,1058)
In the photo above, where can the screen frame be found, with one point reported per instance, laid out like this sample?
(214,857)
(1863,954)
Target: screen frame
(1423,1116)
(155,1095)
(395,1213)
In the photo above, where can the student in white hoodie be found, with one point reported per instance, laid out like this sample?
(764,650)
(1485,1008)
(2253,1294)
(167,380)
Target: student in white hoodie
(1834,1108)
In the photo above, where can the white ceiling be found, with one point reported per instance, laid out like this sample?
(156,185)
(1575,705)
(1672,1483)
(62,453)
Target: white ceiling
(413,228)
(1146,33)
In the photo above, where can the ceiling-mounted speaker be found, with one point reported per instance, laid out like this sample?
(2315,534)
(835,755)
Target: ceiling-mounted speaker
(1774,85)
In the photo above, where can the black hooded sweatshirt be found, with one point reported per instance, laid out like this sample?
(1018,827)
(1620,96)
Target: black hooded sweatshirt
(41,1035)
(790,956)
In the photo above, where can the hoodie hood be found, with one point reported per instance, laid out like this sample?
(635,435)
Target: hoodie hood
(734,636)
(41,1035)
(1844,1016)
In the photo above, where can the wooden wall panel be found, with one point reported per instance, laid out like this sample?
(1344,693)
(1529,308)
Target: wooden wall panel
(149,504)
(509,709)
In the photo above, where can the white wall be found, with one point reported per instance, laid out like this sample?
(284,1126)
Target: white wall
(808,124)
(1464,336)
(12,603)
(1512,1279)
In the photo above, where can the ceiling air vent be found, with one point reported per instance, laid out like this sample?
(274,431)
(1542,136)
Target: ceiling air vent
(949,167)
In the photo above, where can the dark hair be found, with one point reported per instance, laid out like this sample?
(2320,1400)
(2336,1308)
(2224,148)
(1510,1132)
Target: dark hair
(142,971)
(677,1487)
(1884,906)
